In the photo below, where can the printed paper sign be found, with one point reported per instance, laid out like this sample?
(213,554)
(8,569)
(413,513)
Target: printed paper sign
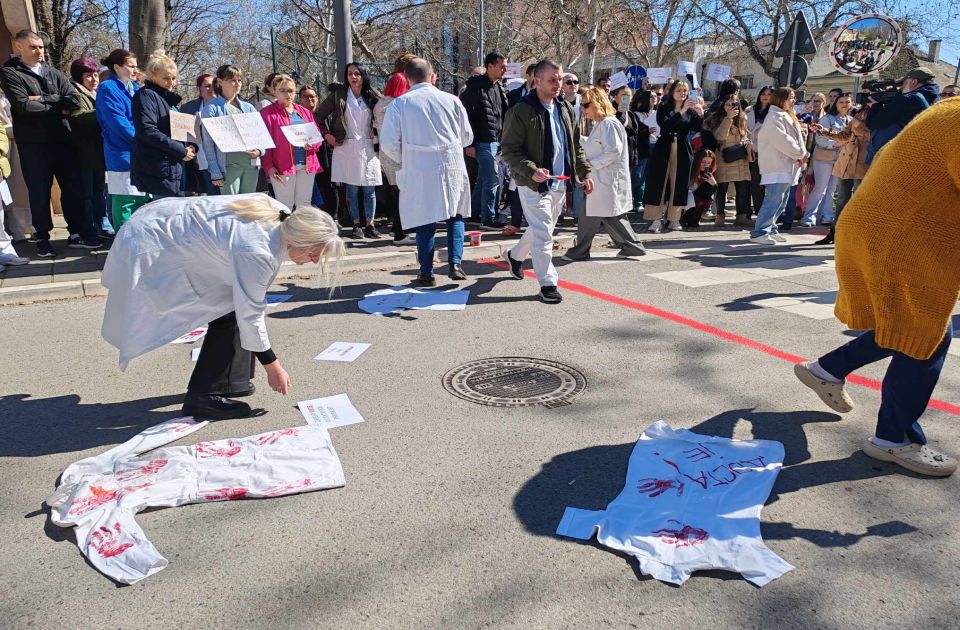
(514,71)
(618,80)
(302,135)
(658,76)
(184,127)
(330,412)
(342,351)
(239,132)
(192,336)
(688,67)
(718,72)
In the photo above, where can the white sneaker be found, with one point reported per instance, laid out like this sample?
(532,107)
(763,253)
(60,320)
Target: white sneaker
(766,239)
(675,226)
(656,227)
(806,224)
(13,260)
(778,237)
(709,214)
(409,239)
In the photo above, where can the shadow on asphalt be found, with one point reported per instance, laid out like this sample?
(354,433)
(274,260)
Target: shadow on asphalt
(591,478)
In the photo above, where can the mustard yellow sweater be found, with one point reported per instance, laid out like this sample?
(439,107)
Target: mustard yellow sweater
(898,239)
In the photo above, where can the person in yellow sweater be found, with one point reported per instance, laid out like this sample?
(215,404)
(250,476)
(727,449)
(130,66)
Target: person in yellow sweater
(899,281)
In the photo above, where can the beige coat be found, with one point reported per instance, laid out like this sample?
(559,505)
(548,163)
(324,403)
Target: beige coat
(728,135)
(851,163)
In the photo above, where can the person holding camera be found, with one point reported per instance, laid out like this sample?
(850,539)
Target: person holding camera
(885,120)
(735,151)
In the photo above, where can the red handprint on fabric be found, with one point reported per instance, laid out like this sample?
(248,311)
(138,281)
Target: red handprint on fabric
(272,438)
(211,449)
(150,468)
(653,487)
(109,543)
(283,488)
(686,536)
(224,494)
(98,496)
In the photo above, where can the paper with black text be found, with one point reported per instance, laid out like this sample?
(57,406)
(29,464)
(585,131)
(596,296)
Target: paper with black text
(330,412)
(238,132)
(302,135)
(342,351)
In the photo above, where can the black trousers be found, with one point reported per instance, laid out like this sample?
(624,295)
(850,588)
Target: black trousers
(756,188)
(40,162)
(223,366)
(393,194)
(742,192)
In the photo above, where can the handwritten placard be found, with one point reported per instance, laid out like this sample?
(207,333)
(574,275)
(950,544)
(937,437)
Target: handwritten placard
(618,81)
(685,68)
(239,132)
(514,71)
(658,76)
(302,135)
(184,127)
(718,72)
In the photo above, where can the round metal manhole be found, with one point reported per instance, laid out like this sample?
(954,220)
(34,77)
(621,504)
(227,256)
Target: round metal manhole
(515,382)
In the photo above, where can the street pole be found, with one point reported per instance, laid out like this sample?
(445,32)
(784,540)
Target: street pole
(481,49)
(793,54)
(344,35)
(273,49)
(956,74)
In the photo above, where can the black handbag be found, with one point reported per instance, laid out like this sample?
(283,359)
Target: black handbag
(735,153)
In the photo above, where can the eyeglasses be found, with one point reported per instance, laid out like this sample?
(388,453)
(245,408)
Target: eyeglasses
(572,82)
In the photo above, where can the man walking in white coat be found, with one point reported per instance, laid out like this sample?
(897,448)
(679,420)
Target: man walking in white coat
(541,145)
(425,131)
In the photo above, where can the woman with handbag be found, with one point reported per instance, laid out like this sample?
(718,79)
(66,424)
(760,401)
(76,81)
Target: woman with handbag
(825,155)
(729,126)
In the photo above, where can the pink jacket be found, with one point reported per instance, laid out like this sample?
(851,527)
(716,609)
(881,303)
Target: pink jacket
(281,158)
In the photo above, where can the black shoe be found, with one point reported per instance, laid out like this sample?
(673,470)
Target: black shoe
(45,250)
(550,295)
(215,407)
(425,281)
(516,267)
(494,225)
(828,239)
(371,232)
(78,242)
(243,393)
(357,233)
(456,273)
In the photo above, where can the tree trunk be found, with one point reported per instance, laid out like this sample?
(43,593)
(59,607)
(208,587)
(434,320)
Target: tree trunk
(148,25)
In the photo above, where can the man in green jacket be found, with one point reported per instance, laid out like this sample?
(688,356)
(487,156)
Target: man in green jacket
(541,145)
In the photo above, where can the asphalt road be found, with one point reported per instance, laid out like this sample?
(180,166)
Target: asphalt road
(448,514)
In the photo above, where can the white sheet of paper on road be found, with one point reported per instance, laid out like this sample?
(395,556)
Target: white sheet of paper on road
(514,71)
(302,135)
(239,132)
(330,412)
(185,127)
(718,72)
(192,336)
(195,354)
(688,67)
(658,76)
(618,81)
(396,299)
(342,351)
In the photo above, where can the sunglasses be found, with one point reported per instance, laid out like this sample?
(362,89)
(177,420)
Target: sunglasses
(572,82)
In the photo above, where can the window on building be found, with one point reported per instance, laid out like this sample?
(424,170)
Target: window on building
(746,83)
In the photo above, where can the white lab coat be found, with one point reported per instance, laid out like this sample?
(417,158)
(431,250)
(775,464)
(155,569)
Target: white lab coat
(606,150)
(425,131)
(355,162)
(180,263)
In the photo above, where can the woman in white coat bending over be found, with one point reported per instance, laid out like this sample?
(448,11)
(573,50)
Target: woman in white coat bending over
(180,263)
(611,199)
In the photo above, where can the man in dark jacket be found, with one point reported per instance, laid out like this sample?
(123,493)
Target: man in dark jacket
(514,96)
(486,102)
(917,92)
(541,145)
(41,98)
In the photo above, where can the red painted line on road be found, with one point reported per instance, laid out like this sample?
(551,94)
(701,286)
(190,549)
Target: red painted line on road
(869,383)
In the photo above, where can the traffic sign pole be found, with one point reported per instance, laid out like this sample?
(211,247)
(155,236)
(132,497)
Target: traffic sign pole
(793,54)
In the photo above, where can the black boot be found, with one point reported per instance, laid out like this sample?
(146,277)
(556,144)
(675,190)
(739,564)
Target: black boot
(828,239)
(214,407)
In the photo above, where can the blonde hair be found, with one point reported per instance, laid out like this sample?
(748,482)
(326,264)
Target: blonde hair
(823,104)
(306,228)
(159,63)
(601,102)
(280,79)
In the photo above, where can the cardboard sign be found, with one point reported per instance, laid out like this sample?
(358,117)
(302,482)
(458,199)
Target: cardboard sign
(514,71)
(302,135)
(658,76)
(618,81)
(239,132)
(718,72)
(185,127)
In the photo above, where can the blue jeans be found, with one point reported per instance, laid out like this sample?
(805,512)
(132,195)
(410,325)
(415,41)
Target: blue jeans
(488,184)
(369,202)
(907,385)
(774,203)
(637,182)
(426,243)
(578,201)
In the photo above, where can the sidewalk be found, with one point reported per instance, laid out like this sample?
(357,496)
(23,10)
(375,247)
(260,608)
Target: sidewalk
(75,273)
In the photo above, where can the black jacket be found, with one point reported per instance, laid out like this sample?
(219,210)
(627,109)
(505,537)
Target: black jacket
(673,127)
(485,102)
(515,95)
(156,159)
(638,137)
(36,121)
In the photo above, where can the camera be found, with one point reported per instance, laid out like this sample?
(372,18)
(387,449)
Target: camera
(880,91)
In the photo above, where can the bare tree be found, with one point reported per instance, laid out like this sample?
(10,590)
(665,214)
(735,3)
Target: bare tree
(63,20)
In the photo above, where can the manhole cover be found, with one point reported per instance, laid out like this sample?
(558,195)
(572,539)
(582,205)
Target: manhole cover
(515,382)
